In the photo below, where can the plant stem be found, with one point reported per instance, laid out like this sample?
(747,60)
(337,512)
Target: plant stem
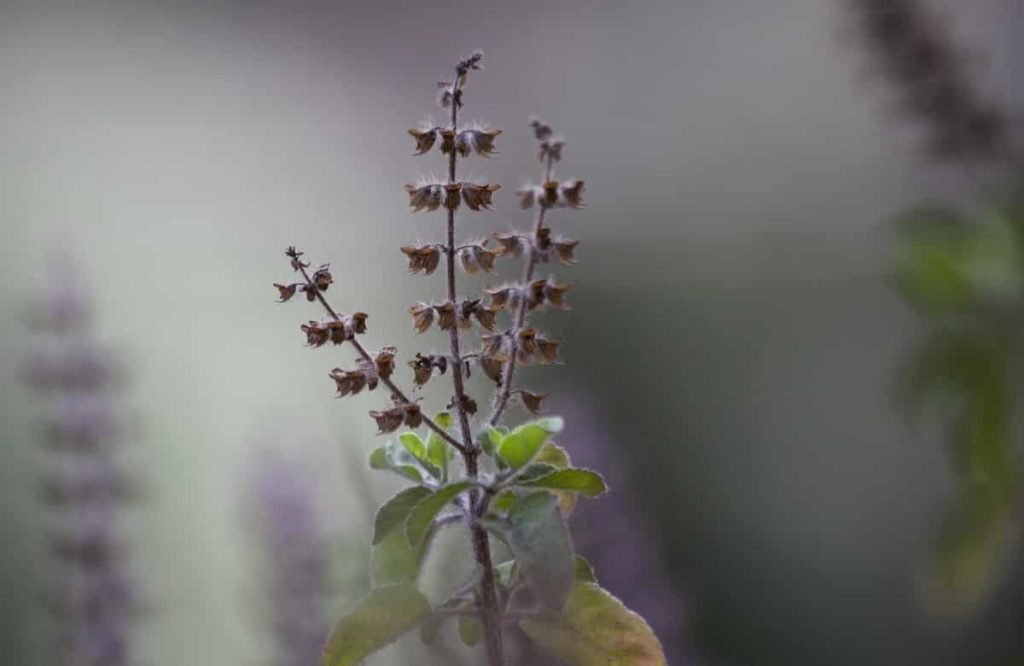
(365,355)
(490,612)
(505,389)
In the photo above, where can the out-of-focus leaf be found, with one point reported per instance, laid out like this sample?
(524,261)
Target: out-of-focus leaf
(422,515)
(595,629)
(392,514)
(469,630)
(536,533)
(379,458)
(503,501)
(395,560)
(375,622)
(582,571)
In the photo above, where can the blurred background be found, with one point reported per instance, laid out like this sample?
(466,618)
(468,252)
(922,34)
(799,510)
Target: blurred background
(729,358)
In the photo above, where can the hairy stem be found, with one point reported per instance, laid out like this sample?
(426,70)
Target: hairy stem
(490,613)
(365,355)
(504,392)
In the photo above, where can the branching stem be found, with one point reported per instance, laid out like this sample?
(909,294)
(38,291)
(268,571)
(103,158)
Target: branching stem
(365,355)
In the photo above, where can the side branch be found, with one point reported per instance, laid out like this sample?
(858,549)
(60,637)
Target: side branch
(504,392)
(395,390)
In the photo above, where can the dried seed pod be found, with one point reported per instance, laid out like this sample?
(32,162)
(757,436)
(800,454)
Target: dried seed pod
(493,366)
(413,415)
(485,256)
(510,243)
(468,404)
(478,140)
(423,259)
(551,149)
(357,323)
(526,341)
(286,291)
(564,250)
(492,344)
(465,313)
(389,420)
(478,195)
(445,316)
(296,262)
(424,139)
(422,316)
(322,278)
(535,294)
(316,335)
(452,195)
(384,362)
(424,196)
(308,291)
(542,240)
(548,349)
(554,292)
(528,197)
(500,297)
(468,261)
(572,194)
(349,382)
(485,316)
(548,196)
(337,331)
(422,369)
(532,401)
(446,95)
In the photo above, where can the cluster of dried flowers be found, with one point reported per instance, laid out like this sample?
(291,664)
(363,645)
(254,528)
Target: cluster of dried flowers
(84,482)
(499,351)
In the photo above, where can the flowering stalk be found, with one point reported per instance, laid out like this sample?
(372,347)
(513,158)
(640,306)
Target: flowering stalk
(84,482)
(517,486)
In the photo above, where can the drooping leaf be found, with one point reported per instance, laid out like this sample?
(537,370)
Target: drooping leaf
(376,621)
(595,629)
(469,630)
(422,516)
(392,515)
(582,571)
(582,481)
(537,535)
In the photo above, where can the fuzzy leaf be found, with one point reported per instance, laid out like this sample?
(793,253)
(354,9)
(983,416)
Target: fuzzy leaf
(379,458)
(392,515)
(414,445)
(519,447)
(375,622)
(422,516)
(582,481)
(536,533)
(553,454)
(503,501)
(395,560)
(595,629)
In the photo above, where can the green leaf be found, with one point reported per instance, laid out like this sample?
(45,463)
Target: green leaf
(414,445)
(395,560)
(583,571)
(553,454)
(444,419)
(392,515)
(506,571)
(438,454)
(375,622)
(537,535)
(595,629)
(552,424)
(379,458)
(423,514)
(582,481)
(469,630)
(503,501)
(520,446)
(492,439)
